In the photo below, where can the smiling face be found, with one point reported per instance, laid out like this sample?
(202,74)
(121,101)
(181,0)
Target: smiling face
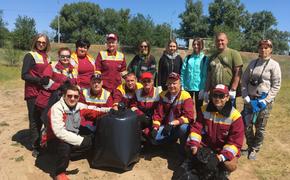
(143,48)
(196,46)
(265,51)
(41,43)
(221,41)
(112,45)
(64,57)
(172,47)
(220,99)
(71,98)
(131,81)
(173,86)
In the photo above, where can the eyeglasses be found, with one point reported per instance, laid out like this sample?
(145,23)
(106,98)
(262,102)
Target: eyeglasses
(143,46)
(64,56)
(70,96)
(41,42)
(219,96)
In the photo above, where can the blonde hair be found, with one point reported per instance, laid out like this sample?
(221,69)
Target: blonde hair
(34,41)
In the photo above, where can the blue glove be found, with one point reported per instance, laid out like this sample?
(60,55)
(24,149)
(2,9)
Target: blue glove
(255,107)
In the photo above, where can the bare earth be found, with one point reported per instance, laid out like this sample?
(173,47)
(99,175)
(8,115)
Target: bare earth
(17,162)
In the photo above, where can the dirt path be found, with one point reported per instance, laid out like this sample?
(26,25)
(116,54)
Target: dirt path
(17,162)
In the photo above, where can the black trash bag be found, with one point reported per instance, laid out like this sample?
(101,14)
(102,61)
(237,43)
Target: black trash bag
(117,141)
(186,171)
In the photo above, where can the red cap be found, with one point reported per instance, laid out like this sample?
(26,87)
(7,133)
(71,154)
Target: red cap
(112,36)
(174,75)
(220,88)
(146,75)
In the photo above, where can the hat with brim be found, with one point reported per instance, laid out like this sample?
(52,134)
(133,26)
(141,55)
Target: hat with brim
(146,75)
(96,77)
(174,76)
(112,36)
(220,89)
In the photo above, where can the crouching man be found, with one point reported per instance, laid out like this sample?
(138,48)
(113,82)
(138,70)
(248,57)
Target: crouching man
(64,134)
(174,112)
(219,126)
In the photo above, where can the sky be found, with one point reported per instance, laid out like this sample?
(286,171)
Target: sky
(161,11)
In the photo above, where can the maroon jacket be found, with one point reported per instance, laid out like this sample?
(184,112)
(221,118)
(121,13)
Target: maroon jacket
(112,67)
(222,131)
(34,64)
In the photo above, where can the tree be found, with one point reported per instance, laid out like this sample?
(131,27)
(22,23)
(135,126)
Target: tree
(226,13)
(3,30)
(79,20)
(279,39)
(193,22)
(141,28)
(24,32)
(161,35)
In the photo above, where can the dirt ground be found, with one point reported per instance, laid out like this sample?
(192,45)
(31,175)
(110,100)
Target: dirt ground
(17,163)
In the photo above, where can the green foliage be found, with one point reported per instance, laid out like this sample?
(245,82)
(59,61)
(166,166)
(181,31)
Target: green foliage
(161,35)
(11,55)
(9,73)
(193,22)
(4,33)
(24,32)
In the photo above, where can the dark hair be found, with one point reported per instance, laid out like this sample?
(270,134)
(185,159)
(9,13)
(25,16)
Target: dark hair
(148,45)
(200,41)
(172,41)
(34,41)
(63,49)
(71,87)
(83,43)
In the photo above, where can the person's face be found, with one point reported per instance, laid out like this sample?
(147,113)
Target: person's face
(196,47)
(221,42)
(96,85)
(82,51)
(147,84)
(143,48)
(41,43)
(265,51)
(173,86)
(64,57)
(172,47)
(112,45)
(220,99)
(71,98)
(130,82)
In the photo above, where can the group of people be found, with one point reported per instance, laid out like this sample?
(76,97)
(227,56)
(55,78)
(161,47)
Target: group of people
(68,97)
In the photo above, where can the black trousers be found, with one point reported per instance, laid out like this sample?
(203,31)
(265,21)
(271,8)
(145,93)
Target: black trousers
(198,103)
(35,122)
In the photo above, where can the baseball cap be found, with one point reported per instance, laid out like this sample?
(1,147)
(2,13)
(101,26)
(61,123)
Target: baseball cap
(146,75)
(96,76)
(220,88)
(174,75)
(112,36)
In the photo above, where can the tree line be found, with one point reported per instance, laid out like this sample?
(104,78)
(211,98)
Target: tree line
(88,20)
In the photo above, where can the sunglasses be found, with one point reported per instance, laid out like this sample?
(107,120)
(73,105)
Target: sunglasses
(219,96)
(143,46)
(146,81)
(64,56)
(41,42)
(72,96)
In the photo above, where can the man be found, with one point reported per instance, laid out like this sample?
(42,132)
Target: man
(174,112)
(126,91)
(225,67)
(111,64)
(145,100)
(219,126)
(63,131)
(96,97)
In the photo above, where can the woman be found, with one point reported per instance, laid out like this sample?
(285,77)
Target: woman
(33,66)
(261,82)
(111,64)
(194,73)
(143,61)
(83,63)
(169,62)
(59,74)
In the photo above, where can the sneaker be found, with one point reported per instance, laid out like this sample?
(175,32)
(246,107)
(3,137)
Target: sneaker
(61,176)
(252,155)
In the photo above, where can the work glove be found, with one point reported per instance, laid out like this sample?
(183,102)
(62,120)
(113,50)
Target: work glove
(247,100)
(262,104)
(87,141)
(201,94)
(233,94)
(166,130)
(153,133)
(255,107)
(44,81)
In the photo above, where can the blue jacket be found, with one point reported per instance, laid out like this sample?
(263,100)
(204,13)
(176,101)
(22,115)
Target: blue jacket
(194,72)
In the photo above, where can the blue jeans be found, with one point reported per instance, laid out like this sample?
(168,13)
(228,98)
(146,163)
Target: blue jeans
(180,132)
